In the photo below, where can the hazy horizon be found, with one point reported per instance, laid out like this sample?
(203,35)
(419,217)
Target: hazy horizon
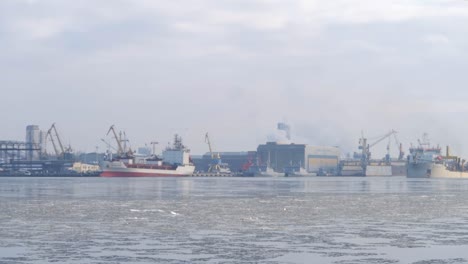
(234,69)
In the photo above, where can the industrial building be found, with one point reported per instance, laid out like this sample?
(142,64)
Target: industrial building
(29,157)
(235,160)
(35,137)
(322,158)
(311,158)
(11,150)
(31,149)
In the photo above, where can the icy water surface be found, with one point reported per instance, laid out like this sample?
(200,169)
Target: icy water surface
(233,220)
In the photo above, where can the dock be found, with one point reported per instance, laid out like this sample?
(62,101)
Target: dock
(210,174)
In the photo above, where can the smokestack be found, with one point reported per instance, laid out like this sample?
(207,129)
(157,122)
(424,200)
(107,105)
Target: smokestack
(285,127)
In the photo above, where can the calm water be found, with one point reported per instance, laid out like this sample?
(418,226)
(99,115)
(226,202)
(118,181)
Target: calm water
(233,220)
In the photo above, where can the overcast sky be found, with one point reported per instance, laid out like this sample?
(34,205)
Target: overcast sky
(234,68)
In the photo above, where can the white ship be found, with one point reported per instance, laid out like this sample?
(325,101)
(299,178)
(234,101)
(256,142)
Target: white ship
(175,161)
(425,161)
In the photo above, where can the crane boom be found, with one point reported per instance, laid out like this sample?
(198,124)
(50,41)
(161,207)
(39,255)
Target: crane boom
(58,139)
(366,147)
(216,165)
(49,135)
(401,154)
(119,144)
(108,144)
(392,132)
(54,136)
(207,140)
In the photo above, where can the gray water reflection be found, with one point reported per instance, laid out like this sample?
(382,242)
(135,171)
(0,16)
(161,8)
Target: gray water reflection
(233,220)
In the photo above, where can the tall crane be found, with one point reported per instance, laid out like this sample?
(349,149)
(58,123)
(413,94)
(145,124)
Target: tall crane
(109,146)
(49,135)
(401,153)
(53,134)
(207,141)
(392,132)
(215,158)
(366,147)
(117,139)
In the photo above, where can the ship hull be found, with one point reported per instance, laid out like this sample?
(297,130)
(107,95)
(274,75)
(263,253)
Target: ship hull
(298,174)
(352,171)
(399,169)
(140,174)
(269,174)
(419,170)
(440,171)
(118,169)
(378,170)
(432,170)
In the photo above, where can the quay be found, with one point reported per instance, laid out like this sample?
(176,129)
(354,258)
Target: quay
(208,174)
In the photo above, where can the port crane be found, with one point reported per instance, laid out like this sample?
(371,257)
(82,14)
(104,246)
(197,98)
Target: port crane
(109,146)
(401,153)
(218,166)
(53,135)
(214,158)
(121,151)
(366,154)
(117,139)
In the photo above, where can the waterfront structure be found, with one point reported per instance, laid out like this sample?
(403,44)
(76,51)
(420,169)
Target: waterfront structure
(175,161)
(11,150)
(322,158)
(34,137)
(312,159)
(80,167)
(236,160)
(426,161)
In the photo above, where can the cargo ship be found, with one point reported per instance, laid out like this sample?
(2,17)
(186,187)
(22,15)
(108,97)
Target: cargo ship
(175,161)
(425,161)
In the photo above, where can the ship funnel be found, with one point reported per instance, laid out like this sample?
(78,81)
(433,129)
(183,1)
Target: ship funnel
(448,152)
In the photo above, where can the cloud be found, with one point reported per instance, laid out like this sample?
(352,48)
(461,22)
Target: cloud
(233,68)
(39,28)
(47,18)
(436,39)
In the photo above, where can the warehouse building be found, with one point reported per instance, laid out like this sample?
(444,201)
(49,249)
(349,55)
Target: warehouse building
(311,158)
(235,160)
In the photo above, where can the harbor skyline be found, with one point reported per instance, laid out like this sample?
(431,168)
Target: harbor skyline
(235,69)
(233,131)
